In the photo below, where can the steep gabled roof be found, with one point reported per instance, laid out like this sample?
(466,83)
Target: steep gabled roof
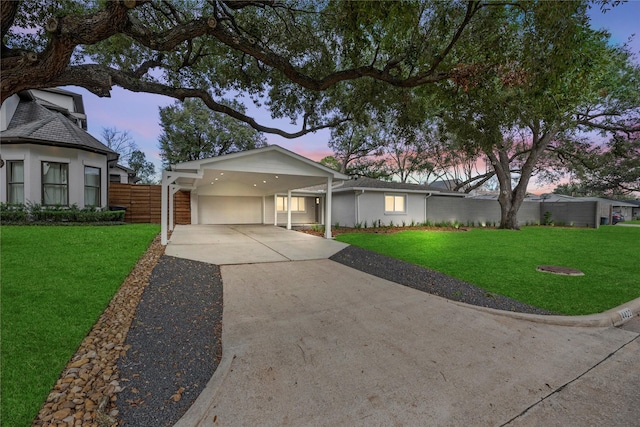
(33,123)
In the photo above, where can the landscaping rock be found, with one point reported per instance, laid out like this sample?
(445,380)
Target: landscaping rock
(84,395)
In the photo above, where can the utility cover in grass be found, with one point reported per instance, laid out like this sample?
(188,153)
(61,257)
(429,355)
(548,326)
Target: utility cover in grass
(554,269)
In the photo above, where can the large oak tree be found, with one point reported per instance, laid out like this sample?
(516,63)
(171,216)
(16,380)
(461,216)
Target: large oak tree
(312,62)
(529,101)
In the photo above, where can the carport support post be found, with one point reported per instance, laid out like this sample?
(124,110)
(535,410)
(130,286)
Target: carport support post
(289,210)
(275,209)
(164,207)
(327,211)
(172,191)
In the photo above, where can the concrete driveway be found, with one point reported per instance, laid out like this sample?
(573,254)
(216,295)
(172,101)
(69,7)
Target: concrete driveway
(247,244)
(315,343)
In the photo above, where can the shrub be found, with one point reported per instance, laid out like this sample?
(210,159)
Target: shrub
(12,213)
(36,213)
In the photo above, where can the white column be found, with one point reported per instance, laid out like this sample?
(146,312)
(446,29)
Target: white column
(327,212)
(193,201)
(164,207)
(275,209)
(264,209)
(288,209)
(172,191)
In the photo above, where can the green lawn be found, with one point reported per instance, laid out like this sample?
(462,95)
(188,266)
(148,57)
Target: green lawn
(634,221)
(504,262)
(56,281)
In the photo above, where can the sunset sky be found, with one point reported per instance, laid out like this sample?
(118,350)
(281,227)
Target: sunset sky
(138,112)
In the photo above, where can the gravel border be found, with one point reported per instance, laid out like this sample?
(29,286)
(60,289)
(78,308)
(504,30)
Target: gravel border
(175,343)
(426,280)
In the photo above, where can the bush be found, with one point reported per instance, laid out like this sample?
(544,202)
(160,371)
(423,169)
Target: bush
(36,213)
(12,213)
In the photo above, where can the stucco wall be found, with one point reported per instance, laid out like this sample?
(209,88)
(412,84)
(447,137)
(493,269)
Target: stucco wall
(7,110)
(123,175)
(343,209)
(33,155)
(371,208)
(63,100)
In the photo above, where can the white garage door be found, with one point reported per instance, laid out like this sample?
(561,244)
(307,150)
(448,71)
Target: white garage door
(229,210)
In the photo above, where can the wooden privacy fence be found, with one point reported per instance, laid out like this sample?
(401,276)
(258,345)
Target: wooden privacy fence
(142,203)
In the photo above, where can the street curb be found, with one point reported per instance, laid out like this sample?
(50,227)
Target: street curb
(613,317)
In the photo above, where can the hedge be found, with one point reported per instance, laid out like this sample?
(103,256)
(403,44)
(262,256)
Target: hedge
(35,213)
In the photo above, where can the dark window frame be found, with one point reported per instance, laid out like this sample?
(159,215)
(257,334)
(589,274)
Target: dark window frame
(98,187)
(11,182)
(43,184)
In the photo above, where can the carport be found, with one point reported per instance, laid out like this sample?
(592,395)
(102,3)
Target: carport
(249,187)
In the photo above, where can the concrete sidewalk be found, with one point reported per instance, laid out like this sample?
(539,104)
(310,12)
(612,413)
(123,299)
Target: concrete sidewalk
(317,343)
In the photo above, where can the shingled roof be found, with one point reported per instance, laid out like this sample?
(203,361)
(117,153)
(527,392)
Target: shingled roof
(32,123)
(364,183)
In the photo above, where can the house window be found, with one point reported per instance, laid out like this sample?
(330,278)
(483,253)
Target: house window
(394,203)
(114,178)
(297,204)
(91,186)
(15,182)
(55,184)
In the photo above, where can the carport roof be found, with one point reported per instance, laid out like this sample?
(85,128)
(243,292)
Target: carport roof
(262,171)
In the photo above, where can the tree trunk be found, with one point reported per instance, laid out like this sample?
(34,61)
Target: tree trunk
(509,207)
(511,198)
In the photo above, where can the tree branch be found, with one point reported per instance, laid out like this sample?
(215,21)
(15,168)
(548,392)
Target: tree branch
(99,80)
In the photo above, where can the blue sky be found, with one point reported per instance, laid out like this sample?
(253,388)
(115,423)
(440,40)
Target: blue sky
(138,112)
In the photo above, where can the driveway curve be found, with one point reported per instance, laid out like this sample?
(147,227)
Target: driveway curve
(318,343)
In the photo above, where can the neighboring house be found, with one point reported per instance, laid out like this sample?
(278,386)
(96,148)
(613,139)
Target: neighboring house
(635,211)
(49,156)
(605,208)
(122,175)
(444,184)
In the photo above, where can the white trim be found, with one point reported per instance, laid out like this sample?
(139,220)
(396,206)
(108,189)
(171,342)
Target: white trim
(289,210)
(327,227)
(394,195)
(197,164)
(168,178)
(398,190)
(275,209)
